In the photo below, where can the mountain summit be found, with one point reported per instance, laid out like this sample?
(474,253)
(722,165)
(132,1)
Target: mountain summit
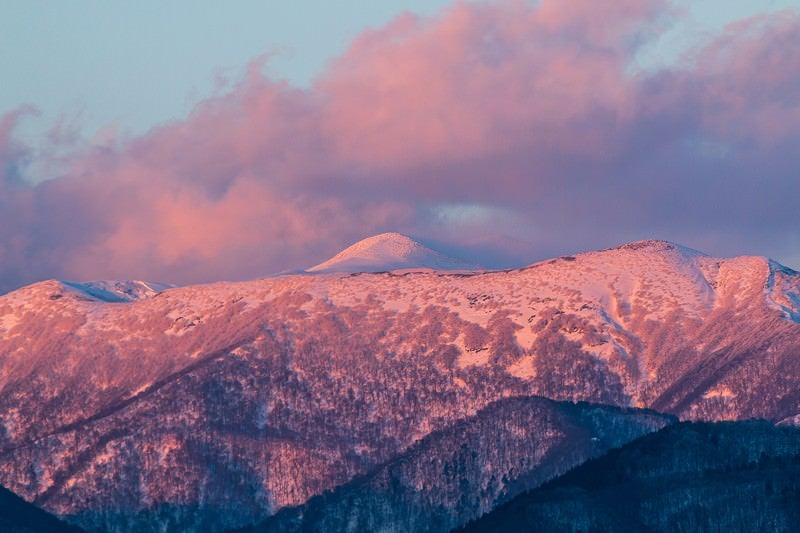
(389,251)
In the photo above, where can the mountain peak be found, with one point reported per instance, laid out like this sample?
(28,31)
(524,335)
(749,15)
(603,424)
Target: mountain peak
(652,244)
(648,251)
(397,242)
(389,251)
(657,245)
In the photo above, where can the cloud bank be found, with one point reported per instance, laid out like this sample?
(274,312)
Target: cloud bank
(511,131)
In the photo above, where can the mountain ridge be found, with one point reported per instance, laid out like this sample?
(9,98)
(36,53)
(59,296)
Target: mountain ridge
(296,384)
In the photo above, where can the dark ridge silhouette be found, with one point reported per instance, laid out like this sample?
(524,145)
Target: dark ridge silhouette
(19,516)
(726,476)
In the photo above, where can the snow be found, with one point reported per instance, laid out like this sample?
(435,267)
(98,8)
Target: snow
(720,391)
(389,251)
(525,368)
(473,358)
(119,291)
(7,323)
(783,288)
(790,421)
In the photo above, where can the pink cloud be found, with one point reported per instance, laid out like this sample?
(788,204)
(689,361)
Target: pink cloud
(525,114)
(483,78)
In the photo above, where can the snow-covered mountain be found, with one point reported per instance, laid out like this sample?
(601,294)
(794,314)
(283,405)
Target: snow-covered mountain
(389,251)
(216,405)
(119,291)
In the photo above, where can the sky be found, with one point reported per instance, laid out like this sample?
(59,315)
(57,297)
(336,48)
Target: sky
(189,142)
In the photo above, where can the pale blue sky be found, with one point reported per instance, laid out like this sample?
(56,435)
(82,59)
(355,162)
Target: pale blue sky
(136,64)
(133,65)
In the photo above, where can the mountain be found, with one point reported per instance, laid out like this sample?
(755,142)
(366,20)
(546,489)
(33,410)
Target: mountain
(214,406)
(18,516)
(742,476)
(389,251)
(462,471)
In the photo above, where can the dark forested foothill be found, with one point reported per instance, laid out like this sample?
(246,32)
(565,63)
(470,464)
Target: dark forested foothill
(729,476)
(19,516)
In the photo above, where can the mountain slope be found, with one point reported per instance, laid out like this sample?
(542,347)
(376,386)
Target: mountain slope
(460,472)
(234,400)
(389,251)
(688,477)
(119,291)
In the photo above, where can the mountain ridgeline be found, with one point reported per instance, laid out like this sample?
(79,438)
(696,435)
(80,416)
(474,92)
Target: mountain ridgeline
(207,407)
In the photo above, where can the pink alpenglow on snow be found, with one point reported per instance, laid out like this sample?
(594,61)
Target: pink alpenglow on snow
(389,251)
(509,130)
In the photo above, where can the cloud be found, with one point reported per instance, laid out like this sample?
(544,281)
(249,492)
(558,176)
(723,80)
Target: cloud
(512,130)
